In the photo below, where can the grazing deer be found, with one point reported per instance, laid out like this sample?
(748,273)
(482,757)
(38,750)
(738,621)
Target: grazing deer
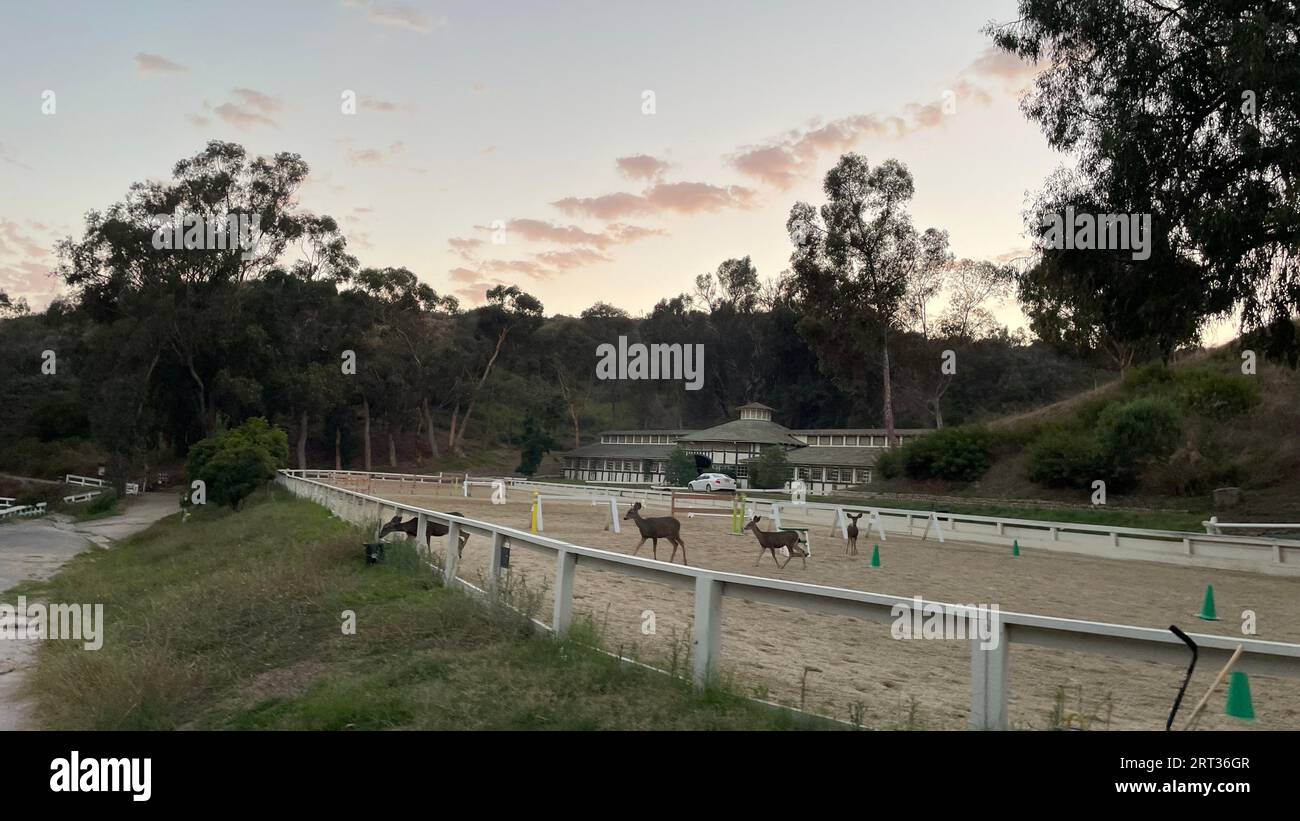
(656,528)
(771,540)
(431,529)
(851,546)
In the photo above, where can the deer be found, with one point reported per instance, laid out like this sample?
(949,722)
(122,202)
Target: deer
(656,528)
(431,529)
(771,540)
(851,546)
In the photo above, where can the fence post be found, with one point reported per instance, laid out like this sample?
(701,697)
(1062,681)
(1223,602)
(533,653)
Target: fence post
(988,678)
(421,532)
(566,564)
(453,555)
(494,577)
(706,632)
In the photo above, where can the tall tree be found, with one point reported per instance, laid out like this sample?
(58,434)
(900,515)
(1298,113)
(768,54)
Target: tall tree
(854,260)
(1190,110)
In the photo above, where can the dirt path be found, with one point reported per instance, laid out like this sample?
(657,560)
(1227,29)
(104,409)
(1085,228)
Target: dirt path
(860,667)
(34,549)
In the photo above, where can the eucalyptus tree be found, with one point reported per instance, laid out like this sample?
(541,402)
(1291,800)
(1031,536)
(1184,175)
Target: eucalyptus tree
(854,260)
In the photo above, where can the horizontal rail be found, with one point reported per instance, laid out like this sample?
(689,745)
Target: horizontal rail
(24,510)
(91,481)
(989,662)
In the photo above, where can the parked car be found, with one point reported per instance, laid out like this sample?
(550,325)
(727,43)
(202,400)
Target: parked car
(712,481)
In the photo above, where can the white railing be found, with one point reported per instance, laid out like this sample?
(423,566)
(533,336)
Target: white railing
(86,481)
(24,510)
(1273,555)
(5,501)
(990,682)
(82,497)
(1215,527)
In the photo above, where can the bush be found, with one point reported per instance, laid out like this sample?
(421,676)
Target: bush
(104,502)
(1215,395)
(235,463)
(1065,459)
(960,454)
(771,469)
(1134,435)
(890,463)
(681,468)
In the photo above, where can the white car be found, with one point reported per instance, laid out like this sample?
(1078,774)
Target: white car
(711,482)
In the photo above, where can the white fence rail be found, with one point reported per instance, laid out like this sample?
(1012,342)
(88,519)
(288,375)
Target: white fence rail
(990,680)
(82,497)
(1271,555)
(86,481)
(24,510)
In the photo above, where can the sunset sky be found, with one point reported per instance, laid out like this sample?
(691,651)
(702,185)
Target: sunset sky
(530,114)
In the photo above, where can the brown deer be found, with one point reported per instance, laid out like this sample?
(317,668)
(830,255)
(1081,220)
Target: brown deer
(771,540)
(851,546)
(431,529)
(656,528)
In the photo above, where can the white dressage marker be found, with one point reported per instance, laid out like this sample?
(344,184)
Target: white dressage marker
(498,491)
(798,492)
(933,521)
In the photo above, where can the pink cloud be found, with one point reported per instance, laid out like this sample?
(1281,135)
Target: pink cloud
(698,197)
(605,207)
(153,64)
(641,167)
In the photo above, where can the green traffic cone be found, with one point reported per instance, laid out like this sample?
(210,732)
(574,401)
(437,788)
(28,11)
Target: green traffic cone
(1015,547)
(875,556)
(1208,613)
(1239,704)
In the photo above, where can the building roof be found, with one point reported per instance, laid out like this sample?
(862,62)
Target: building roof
(644,431)
(601,451)
(755,406)
(758,431)
(848,457)
(857,431)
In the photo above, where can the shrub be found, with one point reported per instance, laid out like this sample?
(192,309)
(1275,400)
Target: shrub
(960,454)
(681,468)
(1062,458)
(104,502)
(235,463)
(1134,435)
(771,469)
(890,463)
(1215,395)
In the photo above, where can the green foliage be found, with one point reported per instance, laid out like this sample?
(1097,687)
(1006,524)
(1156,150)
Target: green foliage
(959,454)
(1215,395)
(1065,458)
(771,469)
(235,463)
(1136,434)
(535,444)
(890,463)
(681,468)
(103,503)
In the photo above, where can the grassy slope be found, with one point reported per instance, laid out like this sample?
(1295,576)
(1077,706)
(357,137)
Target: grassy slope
(233,621)
(1264,444)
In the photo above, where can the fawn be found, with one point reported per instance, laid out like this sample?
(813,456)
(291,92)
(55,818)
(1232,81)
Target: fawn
(431,529)
(787,539)
(656,528)
(851,546)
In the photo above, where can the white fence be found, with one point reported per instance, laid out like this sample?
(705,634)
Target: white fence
(990,681)
(85,481)
(24,510)
(1272,555)
(82,497)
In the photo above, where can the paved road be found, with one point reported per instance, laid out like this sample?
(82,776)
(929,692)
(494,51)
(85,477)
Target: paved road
(33,549)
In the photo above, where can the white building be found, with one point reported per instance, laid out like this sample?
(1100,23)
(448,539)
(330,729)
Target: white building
(826,459)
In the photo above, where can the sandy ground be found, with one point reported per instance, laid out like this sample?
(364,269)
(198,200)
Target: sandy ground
(33,549)
(861,669)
